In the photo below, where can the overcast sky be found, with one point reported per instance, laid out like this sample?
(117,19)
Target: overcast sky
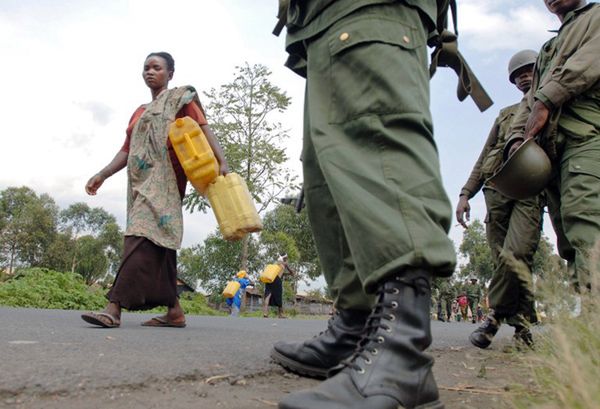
(73,79)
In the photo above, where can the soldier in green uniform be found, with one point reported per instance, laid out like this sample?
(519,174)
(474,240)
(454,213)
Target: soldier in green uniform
(562,111)
(512,226)
(474,293)
(447,297)
(374,196)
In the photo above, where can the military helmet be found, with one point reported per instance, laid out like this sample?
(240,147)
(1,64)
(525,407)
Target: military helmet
(241,274)
(524,174)
(520,60)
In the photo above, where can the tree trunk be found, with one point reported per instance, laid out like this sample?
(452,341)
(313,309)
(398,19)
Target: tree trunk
(11,259)
(73,264)
(244,258)
(295,289)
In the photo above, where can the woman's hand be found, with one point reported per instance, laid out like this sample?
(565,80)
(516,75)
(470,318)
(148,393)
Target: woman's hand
(91,187)
(118,163)
(223,168)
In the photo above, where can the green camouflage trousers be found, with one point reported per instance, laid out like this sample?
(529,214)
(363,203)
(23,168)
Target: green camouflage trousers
(513,229)
(574,205)
(372,182)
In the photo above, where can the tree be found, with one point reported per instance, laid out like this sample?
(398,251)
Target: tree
(92,261)
(27,226)
(480,264)
(216,261)
(545,259)
(283,218)
(286,231)
(475,248)
(241,114)
(95,238)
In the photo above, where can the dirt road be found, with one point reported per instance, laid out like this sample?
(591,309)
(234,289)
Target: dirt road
(49,360)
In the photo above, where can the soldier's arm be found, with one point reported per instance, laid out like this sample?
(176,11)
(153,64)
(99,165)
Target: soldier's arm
(475,181)
(517,126)
(580,71)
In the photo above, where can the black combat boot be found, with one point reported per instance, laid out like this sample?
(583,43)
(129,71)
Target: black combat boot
(388,369)
(316,356)
(523,337)
(482,336)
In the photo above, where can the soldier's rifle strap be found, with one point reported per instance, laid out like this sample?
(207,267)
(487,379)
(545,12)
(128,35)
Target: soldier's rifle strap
(446,54)
(281,16)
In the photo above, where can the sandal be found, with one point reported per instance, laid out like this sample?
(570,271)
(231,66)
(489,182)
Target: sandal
(101,319)
(163,321)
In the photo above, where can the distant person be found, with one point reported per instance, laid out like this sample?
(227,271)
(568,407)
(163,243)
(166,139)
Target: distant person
(513,227)
(456,310)
(463,305)
(447,296)
(147,276)
(235,302)
(474,293)
(479,313)
(274,291)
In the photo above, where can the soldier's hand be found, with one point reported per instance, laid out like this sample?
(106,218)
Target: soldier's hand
(537,119)
(514,145)
(463,210)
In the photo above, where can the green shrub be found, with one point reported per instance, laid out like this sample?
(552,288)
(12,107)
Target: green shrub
(43,288)
(196,304)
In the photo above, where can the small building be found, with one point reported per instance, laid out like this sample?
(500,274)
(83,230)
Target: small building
(253,299)
(306,304)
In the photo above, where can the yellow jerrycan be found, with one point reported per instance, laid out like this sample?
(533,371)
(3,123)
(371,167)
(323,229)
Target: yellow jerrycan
(270,272)
(194,153)
(233,206)
(231,288)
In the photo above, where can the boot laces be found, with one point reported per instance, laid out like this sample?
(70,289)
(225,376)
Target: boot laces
(369,343)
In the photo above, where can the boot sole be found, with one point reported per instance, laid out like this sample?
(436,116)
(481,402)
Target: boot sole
(430,405)
(297,367)
(478,344)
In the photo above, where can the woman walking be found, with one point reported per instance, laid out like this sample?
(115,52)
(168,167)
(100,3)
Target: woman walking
(155,189)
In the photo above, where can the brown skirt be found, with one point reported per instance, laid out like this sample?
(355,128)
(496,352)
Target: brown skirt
(147,277)
(275,289)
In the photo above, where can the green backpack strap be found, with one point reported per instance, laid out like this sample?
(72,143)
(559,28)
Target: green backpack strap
(446,54)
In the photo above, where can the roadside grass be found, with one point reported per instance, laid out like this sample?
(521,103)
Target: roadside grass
(565,365)
(44,288)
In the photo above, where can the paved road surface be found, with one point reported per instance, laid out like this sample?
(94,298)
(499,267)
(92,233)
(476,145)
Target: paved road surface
(48,351)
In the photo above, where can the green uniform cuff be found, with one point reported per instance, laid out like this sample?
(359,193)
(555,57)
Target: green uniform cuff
(544,99)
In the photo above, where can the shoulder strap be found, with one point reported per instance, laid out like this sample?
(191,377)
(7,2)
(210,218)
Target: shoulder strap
(281,16)
(446,54)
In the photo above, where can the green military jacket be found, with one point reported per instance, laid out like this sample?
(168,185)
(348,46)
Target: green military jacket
(490,158)
(567,80)
(446,289)
(473,291)
(308,18)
